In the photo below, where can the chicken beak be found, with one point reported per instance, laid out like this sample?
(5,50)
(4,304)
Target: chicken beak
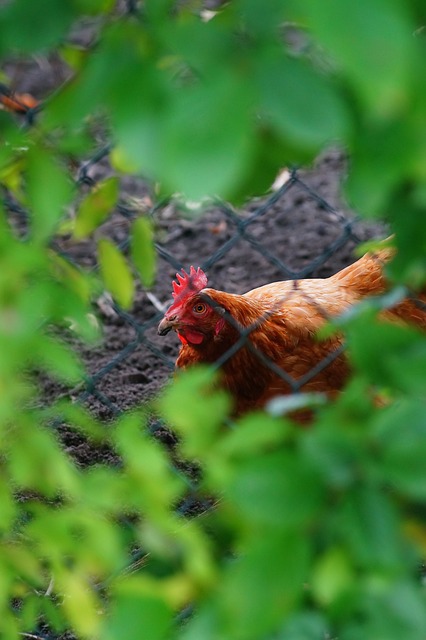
(166,325)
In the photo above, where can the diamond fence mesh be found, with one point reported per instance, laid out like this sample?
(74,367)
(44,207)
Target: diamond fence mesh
(228,229)
(297,231)
(133,363)
(239,232)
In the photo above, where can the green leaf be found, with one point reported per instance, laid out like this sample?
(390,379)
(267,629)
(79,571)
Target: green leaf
(9,508)
(265,584)
(200,144)
(57,359)
(30,612)
(143,250)
(255,432)
(18,20)
(277,489)
(390,611)
(273,151)
(404,449)
(304,626)
(381,155)
(38,451)
(261,22)
(286,87)
(120,162)
(158,9)
(205,623)
(195,409)
(206,140)
(22,561)
(96,206)
(334,447)
(79,418)
(93,7)
(368,525)
(49,190)
(406,211)
(202,46)
(73,56)
(81,605)
(146,462)
(89,92)
(115,273)
(389,355)
(135,611)
(372,42)
(69,275)
(51,612)
(332,577)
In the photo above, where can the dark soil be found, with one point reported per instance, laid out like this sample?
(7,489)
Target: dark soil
(305,231)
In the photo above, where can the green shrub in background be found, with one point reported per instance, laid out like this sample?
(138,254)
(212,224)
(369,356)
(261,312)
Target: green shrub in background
(316,533)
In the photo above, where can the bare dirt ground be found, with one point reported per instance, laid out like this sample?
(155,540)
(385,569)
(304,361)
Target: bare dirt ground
(306,231)
(298,235)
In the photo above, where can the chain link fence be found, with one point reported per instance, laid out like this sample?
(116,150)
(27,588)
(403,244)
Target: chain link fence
(241,232)
(178,230)
(299,230)
(242,229)
(130,337)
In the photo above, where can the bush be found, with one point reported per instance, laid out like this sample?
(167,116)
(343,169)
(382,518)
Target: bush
(315,533)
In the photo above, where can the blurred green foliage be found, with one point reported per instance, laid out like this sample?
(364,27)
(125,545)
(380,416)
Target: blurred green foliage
(314,533)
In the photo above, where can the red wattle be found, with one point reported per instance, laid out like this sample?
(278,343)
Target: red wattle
(190,336)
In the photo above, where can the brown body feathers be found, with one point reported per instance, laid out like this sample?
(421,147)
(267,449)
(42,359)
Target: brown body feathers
(279,353)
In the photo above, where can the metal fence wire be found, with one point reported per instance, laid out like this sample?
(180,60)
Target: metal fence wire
(142,328)
(142,333)
(242,226)
(87,176)
(242,231)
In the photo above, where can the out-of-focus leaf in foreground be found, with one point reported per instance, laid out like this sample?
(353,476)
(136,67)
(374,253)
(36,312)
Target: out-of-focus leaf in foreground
(115,272)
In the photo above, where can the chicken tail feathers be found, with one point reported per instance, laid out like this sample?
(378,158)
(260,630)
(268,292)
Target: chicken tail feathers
(366,276)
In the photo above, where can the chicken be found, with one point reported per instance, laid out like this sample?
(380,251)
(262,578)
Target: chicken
(18,102)
(265,340)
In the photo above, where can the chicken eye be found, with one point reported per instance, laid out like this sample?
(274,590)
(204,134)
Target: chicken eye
(199,307)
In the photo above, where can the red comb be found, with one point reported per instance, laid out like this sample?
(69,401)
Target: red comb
(189,283)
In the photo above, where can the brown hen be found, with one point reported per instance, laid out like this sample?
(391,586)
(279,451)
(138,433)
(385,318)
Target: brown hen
(265,340)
